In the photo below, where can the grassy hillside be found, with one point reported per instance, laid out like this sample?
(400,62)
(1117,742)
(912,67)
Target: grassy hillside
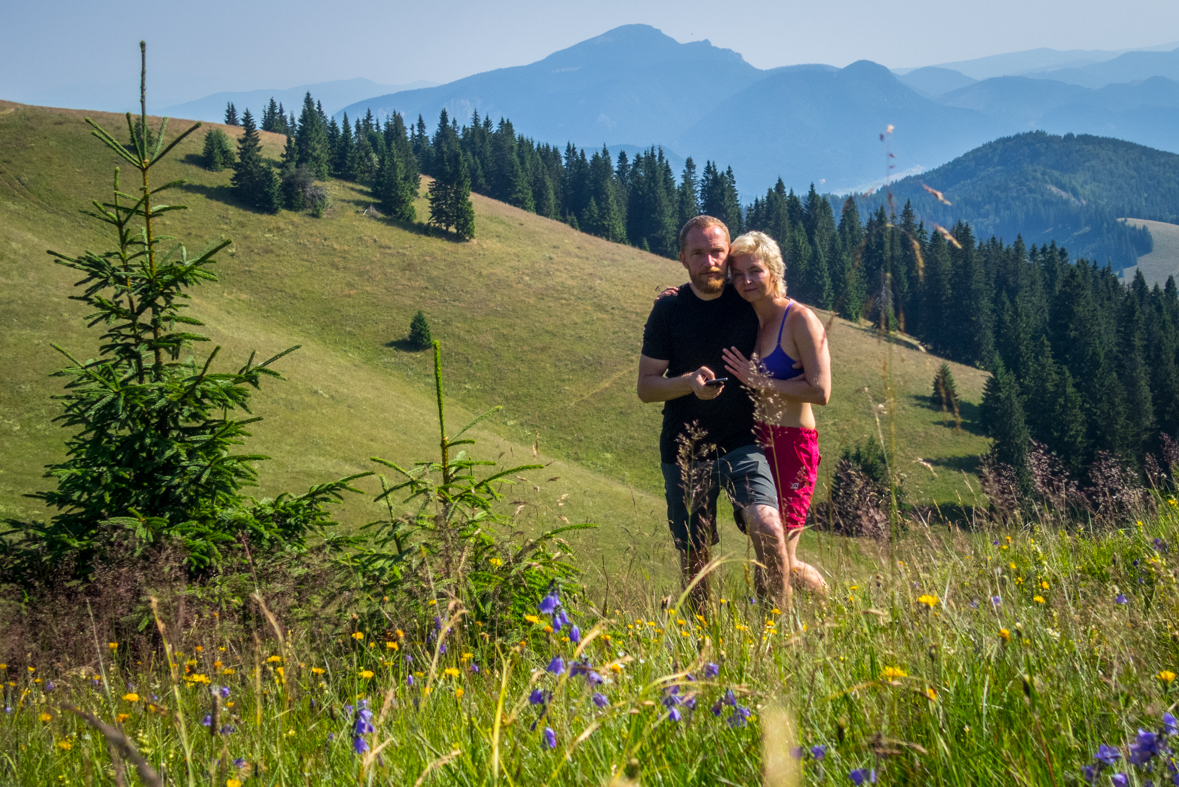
(532,315)
(1163,260)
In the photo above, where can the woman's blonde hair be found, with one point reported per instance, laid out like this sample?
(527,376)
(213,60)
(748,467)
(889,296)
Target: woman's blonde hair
(766,250)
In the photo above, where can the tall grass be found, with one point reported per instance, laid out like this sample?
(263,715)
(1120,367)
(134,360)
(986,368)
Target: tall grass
(975,658)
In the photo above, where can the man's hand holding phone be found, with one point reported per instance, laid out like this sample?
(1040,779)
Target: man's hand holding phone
(705,383)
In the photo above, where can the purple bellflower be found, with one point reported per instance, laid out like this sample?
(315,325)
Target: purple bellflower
(1107,755)
(548,605)
(550,738)
(711,670)
(863,776)
(362,726)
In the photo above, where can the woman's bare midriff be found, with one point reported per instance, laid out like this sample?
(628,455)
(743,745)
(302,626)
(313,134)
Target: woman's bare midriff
(784,412)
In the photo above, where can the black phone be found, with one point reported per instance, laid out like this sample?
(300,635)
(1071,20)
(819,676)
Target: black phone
(717,382)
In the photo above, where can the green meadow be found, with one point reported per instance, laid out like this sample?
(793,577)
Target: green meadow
(532,315)
(1042,650)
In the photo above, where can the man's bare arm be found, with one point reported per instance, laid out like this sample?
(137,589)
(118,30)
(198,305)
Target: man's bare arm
(655,387)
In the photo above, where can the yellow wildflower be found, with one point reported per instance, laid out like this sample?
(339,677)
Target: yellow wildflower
(366,673)
(317,670)
(495,561)
(113,645)
(132,697)
(927,600)
(228,671)
(274,659)
(45,717)
(458,693)
(1038,599)
(451,671)
(199,678)
(1005,635)
(358,635)
(1166,676)
(1043,585)
(532,618)
(122,717)
(392,646)
(894,672)
(65,745)
(233,783)
(466,657)
(929,692)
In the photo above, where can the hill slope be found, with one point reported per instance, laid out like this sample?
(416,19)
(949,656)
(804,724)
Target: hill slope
(532,315)
(1070,189)
(1163,260)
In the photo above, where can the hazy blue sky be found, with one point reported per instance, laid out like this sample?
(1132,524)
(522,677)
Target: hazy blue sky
(57,48)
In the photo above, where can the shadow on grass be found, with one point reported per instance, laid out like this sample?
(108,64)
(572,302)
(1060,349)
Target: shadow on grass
(968,412)
(416,227)
(957,464)
(223,194)
(405,346)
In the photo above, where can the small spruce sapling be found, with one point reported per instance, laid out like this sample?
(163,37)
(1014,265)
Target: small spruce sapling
(419,332)
(945,394)
(218,152)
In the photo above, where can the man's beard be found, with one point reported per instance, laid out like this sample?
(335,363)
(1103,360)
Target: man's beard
(709,283)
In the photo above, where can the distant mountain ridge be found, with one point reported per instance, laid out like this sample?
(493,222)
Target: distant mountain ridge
(1071,189)
(334,95)
(634,86)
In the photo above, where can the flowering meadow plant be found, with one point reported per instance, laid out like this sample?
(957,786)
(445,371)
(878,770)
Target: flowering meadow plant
(882,687)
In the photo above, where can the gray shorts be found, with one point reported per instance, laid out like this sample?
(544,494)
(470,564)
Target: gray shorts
(745,476)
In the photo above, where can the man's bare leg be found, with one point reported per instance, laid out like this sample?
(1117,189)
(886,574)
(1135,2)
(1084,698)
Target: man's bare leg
(692,562)
(769,542)
(804,574)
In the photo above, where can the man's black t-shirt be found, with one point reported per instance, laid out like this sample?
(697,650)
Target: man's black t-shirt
(689,333)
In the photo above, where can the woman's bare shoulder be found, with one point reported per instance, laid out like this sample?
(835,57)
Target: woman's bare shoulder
(804,318)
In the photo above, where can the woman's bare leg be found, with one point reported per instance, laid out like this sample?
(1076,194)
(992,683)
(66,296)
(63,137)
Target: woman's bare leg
(804,574)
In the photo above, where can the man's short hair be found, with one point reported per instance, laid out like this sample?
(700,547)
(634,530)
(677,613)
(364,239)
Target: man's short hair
(703,222)
(766,250)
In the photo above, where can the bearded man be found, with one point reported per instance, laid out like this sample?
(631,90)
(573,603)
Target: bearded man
(682,344)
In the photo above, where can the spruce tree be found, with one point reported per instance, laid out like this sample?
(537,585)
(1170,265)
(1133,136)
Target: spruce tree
(419,332)
(218,151)
(344,158)
(248,171)
(311,140)
(687,201)
(272,118)
(450,193)
(364,159)
(394,189)
(1003,419)
(230,114)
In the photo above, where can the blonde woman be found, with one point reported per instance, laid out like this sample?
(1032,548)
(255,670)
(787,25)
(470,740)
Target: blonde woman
(790,336)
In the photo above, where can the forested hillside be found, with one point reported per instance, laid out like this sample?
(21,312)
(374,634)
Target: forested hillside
(1068,189)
